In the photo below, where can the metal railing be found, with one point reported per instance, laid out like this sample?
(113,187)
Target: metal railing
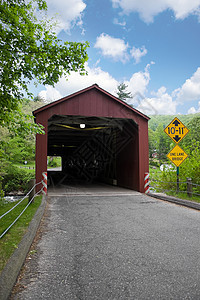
(190,188)
(27,167)
(30,201)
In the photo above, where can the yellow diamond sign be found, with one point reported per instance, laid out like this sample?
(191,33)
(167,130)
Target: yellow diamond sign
(177,155)
(176,130)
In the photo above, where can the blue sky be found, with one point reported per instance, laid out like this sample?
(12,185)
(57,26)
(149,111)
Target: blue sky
(151,46)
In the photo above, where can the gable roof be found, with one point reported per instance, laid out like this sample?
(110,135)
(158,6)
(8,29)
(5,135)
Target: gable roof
(94,86)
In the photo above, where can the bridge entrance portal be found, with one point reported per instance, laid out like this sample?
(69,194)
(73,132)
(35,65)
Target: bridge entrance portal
(98,137)
(92,149)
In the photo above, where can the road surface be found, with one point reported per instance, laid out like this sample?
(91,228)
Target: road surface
(115,244)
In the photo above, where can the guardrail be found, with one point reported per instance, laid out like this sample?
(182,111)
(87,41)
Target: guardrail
(27,167)
(189,188)
(43,189)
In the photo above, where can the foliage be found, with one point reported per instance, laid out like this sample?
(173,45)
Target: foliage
(19,123)
(30,50)
(194,133)
(3,157)
(185,196)
(152,142)
(166,119)
(54,161)
(154,163)
(17,147)
(159,143)
(10,241)
(190,168)
(1,191)
(16,179)
(52,164)
(122,92)
(20,150)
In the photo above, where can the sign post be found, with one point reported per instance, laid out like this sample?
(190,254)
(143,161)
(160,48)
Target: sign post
(176,130)
(177,184)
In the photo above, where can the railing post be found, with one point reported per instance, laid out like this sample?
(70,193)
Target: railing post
(32,193)
(146,183)
(189,187)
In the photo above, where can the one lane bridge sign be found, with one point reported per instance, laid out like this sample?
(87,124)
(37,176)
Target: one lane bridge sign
(176,130)
(177,155)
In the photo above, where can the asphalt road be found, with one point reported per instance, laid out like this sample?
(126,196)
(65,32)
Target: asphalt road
(115,247)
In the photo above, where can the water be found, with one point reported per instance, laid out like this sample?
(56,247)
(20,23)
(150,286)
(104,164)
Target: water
(12,198)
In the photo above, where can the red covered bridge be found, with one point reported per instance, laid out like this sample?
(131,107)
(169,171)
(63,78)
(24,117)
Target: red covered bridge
(98,137)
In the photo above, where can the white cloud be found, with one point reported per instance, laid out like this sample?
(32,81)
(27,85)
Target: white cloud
(149,9)
(183,8)
(137,53)
(117,22)
(137,84)
(139,81)
(50,94)
(190,90)
(112,47)
(66,13)
(77,82)
(193,110)
(117,49)
(162,104)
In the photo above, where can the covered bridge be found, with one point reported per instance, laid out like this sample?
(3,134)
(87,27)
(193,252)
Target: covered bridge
(98,137)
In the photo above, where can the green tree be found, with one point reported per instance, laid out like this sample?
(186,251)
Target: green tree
(193,136)
(190,144)
(162,142)
(16,149)
(30,50)
(122,92)
(191,166)
(20,149)
(152,142)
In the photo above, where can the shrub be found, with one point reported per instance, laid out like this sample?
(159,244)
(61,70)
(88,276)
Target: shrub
(16,179)
(190,168)
(154,163)
(1,191)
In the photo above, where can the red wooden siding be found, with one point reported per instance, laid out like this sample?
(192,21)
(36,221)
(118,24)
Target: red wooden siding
(133,161)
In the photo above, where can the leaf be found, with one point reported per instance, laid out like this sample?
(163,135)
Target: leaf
(30,50)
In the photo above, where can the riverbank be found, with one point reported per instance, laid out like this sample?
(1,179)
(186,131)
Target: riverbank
(9,242)
(11,266)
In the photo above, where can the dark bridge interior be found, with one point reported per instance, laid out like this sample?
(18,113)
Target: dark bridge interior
(92,148)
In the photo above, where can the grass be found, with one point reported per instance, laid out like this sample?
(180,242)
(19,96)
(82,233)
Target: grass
(156,174)
(184,196)
(30,167)
(9,242)
(54,161)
